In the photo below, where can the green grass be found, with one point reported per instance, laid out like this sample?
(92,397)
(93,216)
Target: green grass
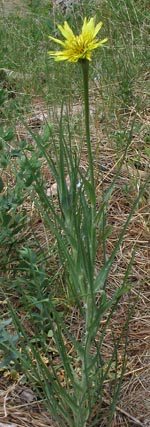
(119,68)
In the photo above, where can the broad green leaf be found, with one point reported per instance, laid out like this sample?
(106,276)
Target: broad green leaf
(89,190)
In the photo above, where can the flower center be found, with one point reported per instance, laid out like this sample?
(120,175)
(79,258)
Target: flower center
(79,45)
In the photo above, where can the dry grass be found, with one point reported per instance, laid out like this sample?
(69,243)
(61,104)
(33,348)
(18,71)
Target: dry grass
(19,406)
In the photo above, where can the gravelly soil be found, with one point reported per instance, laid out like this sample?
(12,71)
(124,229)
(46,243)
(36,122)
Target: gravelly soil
(12,6)
(19,6)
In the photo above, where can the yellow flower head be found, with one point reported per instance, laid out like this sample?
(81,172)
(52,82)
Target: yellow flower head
(77,47)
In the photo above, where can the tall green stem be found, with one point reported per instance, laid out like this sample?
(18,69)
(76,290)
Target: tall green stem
(84,403)
(85,69)
(90,294)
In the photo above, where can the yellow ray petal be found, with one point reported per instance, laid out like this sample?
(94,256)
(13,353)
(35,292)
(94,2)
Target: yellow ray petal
(97,28)
(57,41)
(66,31)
